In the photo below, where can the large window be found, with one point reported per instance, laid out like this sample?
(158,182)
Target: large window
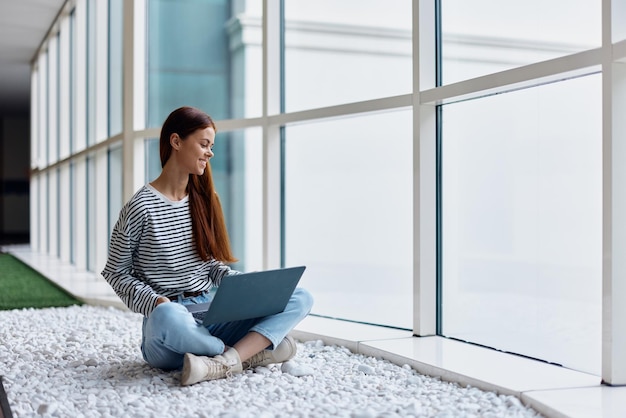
(334,55)
(522,222)
(448,167)
(188,61)
(481,37)
(348,215)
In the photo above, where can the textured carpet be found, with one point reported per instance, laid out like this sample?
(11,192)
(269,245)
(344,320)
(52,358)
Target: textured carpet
(84,361)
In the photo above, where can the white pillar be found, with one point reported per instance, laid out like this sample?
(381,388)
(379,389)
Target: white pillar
(614,194)
(272,213)
(424,173)
(128,147)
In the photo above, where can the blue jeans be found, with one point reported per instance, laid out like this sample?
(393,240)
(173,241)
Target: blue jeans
(171,331)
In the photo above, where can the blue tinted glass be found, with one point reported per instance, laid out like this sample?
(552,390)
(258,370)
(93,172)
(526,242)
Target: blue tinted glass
(115,185)
(153,160)
(168,91)
(188,58)
(116,20)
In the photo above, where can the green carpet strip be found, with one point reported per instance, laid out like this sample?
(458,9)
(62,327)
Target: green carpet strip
(22,287)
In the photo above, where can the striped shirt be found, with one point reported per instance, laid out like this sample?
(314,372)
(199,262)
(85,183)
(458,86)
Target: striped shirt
(152,253)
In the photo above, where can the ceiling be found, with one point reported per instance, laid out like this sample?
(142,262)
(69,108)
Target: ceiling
(23,26)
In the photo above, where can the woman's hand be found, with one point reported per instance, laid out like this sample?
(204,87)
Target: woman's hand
(160,300)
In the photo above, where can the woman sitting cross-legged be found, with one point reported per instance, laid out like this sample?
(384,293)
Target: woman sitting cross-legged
(170,246)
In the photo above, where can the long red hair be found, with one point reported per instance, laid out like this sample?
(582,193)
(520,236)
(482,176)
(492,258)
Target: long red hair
(207,217)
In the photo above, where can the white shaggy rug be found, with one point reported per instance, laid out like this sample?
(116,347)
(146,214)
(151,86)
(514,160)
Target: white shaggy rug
(85,362)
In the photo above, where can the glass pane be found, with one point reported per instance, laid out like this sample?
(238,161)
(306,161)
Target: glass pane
(72,76)
(205,59)
(115,185)
(618,21)
(90,196)
(338,52)
(522,222)
(42,97)
(116,26)
(91,72)
(56,221)
(348,215)
(153,159)
(72,209)
(486,36)
(237,173)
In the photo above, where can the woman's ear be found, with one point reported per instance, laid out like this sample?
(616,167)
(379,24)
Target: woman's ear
(175,141)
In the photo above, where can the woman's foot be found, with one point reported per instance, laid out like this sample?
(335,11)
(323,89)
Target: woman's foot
(200,368)
(286,350)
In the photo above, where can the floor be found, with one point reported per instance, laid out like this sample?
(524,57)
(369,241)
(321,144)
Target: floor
(551,390)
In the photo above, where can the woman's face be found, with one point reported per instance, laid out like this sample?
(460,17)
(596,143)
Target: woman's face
(195,151)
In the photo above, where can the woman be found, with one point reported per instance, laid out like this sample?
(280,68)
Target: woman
(170,246)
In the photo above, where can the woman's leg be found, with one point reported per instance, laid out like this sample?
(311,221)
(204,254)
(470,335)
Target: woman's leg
(274,327)
(170,332)
(249,339)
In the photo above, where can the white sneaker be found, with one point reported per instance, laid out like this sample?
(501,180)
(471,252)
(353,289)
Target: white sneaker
(200,368)
(286,350)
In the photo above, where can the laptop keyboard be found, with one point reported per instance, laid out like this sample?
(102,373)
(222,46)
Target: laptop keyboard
(199,316)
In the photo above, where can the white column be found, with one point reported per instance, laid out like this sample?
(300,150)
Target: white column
(614,225)
(64,212)
(128,147)
(80,213)
(34,157)
(34,212)
(80,79)
(52,104)
(100,240)
(42,113)
(138,35)
(64,87)
(271,136)
(614,196)
(101,119)
(424,173)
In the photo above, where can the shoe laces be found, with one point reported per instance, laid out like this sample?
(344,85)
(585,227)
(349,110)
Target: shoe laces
(257,359)
(217,366)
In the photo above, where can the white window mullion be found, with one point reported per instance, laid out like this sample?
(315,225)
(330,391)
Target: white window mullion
(424,174)
(139,64)
(614,225)
(34,117)
(53,108)
(64,212)
(34,213)
(64,87)
(80,77)
(42,160)
(130,171)
(102,71)
(53,212)
(43,213)
(80,213)
(271,136)
(613,199)
(100,240)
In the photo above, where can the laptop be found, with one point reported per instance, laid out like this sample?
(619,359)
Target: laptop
(249,295)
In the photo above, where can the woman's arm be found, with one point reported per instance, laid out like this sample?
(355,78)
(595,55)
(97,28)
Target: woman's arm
(136,294)
(218,270)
